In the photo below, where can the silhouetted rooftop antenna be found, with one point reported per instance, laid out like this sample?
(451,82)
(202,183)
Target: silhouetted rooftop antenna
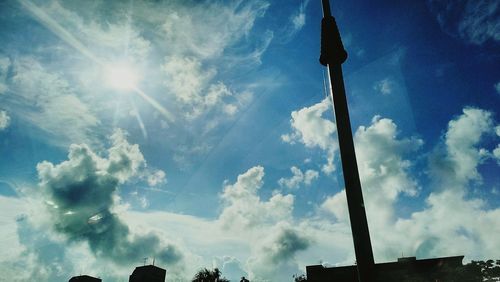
(332,56)
(145,261)
(154,261)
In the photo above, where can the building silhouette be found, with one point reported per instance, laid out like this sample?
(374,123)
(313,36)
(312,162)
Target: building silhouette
(148,273)
(84,278)
(405,269)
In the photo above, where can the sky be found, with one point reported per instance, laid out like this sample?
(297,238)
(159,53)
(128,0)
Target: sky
(200,134)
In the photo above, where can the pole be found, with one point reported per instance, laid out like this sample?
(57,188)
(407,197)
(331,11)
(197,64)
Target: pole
(332,56)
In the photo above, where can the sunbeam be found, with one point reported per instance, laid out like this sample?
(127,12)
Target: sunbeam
(119,77)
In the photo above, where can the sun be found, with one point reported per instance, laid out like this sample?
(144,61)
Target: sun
(121,76)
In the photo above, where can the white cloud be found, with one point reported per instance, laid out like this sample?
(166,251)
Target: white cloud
(496,151)
(276,258)
(384,173)
(81,197)
(45,100)
(249,233)
(453,222)
(337,205)
(384,86)
(299,19)
(477,20)
(199,36)
(186,78)
(243,208)
(456,164)
(311,129)
(4,68)
(466,224)
(194,88)
(296,22)
(209,28)
(497,87)
(192,38)
(156,178)
(298,178)
(4,120)
(91,35)
(230,267)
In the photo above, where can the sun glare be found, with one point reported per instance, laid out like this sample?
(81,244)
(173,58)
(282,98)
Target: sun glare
(121,77)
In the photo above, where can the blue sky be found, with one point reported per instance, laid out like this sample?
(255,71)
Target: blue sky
(198,133)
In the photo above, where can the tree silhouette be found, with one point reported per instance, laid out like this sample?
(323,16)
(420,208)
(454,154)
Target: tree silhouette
(490,269)
(206,275)
(300,278)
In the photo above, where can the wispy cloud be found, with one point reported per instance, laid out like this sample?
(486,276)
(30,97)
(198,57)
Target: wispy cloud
(299,19)
(474,21)
(4,120)
(384,86)
(46,101)
(4,68)
(296,22)
(208,32)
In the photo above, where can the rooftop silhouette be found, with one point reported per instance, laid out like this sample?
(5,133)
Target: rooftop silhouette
(148,273)
(405,269)
(84,278)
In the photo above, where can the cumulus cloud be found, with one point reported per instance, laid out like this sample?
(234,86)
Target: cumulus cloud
(464,221)
(497,87)
(243,208)
(456,163)
(4,120)
(466,225)
(337,205)
(311,129)
(80,193)
(265,224)
(298,178)
(386,163)
(474,21)
(231,267)
(462,217)
(384,172)
(384,86)
(276,259)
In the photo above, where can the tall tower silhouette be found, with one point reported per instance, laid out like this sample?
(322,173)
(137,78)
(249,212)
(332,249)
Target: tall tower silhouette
(405,269)
(332,56)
